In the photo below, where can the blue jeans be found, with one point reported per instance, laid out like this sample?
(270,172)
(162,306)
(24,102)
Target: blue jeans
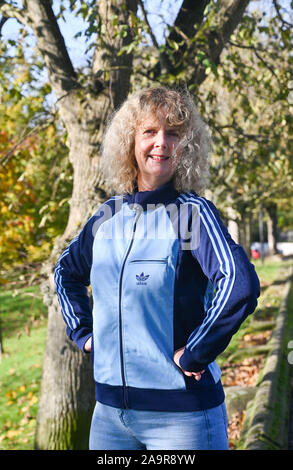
(116,429)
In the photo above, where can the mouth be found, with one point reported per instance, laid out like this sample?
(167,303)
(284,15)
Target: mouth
(159,158)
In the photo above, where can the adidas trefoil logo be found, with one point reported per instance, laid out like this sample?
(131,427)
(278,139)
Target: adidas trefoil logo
(141,279)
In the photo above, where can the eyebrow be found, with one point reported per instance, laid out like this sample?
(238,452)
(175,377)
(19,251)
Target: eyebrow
(155,126)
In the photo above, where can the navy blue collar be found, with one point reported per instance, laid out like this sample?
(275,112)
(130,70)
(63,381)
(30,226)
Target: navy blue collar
(163,194)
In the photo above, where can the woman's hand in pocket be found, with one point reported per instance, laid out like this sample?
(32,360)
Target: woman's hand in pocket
(88,345)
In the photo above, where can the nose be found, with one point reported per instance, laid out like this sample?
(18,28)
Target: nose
(161,139)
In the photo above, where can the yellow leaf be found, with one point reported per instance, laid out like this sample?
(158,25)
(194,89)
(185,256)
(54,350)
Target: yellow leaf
(12,433)
(33,400)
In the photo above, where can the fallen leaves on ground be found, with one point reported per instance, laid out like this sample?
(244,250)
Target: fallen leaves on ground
(234,427)
(244,373)
(255,339)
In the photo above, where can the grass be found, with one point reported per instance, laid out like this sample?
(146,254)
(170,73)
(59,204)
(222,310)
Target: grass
(24,319)
(20,310)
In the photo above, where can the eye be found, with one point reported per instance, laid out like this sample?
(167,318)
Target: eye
(149,131)
(173,133)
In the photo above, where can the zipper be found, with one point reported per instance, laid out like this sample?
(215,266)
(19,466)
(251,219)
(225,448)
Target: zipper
(120,311)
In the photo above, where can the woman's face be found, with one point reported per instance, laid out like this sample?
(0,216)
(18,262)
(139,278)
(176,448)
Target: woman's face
(155,142)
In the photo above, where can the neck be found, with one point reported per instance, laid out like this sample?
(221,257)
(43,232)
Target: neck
(143,185)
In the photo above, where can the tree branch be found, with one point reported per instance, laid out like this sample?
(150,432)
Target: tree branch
(51,44)
(164,65)
(35,130)
(258,55)
(2,22)
(189,18)
(144,14)
(115,67)
(238,131)
(10,11)
(229,19)
(278,10)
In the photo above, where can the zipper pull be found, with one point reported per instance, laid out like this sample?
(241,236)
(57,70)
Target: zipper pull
(137,208)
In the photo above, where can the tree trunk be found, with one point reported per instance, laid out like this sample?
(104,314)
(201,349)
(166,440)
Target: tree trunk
(272,227)
(261,231)
(245,233)
(233,224)
(67,395)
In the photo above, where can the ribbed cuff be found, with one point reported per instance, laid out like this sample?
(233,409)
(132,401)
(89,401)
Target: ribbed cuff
(188,363)
(80,337)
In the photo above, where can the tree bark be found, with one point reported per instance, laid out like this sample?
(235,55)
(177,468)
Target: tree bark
(272,227)
(67,395)
(245,231)
(261,231)
(233,224)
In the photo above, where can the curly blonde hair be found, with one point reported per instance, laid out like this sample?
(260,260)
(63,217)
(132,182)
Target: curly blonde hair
(118,163)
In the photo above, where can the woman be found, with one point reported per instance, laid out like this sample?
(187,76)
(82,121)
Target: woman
(170,287)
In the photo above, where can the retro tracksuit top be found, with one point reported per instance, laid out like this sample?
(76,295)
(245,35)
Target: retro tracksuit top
(164,274)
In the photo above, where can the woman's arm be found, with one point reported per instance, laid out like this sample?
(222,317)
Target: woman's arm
(72,276)
(236,288)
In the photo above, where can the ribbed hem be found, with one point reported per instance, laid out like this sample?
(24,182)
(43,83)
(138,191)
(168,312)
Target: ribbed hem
(160,400)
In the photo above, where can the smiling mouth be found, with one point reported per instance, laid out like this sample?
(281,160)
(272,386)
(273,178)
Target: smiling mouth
(158,158)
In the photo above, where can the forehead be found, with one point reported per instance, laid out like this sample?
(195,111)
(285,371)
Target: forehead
(153,120)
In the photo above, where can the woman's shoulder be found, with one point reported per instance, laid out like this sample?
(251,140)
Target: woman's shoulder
(193,197)
(112,203)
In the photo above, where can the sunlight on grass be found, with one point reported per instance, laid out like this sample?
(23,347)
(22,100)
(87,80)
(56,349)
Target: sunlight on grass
(21,366)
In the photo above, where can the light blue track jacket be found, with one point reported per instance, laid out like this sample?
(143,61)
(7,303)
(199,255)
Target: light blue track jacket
(164,274)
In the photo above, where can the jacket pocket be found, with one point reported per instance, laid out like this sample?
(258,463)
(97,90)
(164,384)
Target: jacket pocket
(150,261)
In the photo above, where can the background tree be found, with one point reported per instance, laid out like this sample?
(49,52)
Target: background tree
(251,116)
(33,186)
(125,55)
